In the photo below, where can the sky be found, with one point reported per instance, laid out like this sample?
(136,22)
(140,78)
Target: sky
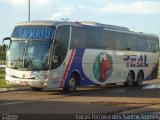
(137,15)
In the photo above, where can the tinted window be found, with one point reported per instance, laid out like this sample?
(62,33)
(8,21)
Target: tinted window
(108,40)
(155,44)
(62,37)
(121,40)
(131,42)
(78,38)
(60,47)
(150,44)
(93,38)
(142,43)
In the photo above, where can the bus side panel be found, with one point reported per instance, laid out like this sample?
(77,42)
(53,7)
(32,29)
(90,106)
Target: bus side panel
(76,66)
(104,66)
(119,65)
(88,63)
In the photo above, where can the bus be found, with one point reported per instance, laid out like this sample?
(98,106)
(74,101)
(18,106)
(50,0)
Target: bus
(64,54)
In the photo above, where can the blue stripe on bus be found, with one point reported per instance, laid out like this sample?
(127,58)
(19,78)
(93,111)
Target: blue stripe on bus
(154,73)
(76,65)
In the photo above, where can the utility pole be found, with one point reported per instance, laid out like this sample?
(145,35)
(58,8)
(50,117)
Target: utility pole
(29,11)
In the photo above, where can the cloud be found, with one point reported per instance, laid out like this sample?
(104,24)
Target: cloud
(57,15)
(81,7)
(17,2)
(43,2)
(33,2)
(137,7)
(62,13)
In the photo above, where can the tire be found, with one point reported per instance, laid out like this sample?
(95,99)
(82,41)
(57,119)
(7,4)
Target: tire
(140,78)
(71,85)
(36,89)
(130,79)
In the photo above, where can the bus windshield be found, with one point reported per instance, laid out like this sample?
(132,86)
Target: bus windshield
(28,55)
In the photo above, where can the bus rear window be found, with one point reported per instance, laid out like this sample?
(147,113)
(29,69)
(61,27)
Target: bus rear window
(33,32)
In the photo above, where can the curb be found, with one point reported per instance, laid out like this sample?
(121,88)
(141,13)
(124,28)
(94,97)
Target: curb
(13,89)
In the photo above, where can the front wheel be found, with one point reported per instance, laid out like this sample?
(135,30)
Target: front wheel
(71,84)
(130,79)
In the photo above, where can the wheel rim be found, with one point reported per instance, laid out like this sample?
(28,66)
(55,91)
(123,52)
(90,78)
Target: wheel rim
(72,83)
(140,80)
(130,79)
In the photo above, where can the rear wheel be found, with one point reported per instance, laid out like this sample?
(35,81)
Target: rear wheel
(130,79)
(140,78)
(36,89)
(71,84)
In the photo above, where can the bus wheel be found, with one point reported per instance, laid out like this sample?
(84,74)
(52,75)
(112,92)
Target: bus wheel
(130,79)
(36,89)
(71,84)
(140,78)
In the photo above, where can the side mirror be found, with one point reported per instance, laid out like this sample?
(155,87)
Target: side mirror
(6,39)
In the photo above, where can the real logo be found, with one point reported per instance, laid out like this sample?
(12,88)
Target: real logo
(136,61)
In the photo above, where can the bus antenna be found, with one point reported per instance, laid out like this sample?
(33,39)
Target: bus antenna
(29,11)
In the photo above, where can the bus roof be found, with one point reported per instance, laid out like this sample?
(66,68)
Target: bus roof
(54,23)
(85,24)
(45,23)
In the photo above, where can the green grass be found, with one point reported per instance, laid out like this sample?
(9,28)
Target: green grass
(2,80)
(2,62)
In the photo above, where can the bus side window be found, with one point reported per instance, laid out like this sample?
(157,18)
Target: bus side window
(155,45)
(121,40)
(131,42)
(108,40)
(62,39)
(150,44)
(142,43)
(60,47)
(93,38)
(77,39)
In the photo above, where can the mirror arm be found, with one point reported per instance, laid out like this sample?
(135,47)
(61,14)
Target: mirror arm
(7,38)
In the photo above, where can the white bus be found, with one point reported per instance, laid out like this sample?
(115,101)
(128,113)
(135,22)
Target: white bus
(53,54)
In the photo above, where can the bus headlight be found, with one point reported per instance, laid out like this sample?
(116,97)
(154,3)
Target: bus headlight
(45,84)
(43,77)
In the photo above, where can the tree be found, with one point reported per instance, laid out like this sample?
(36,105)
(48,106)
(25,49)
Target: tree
(3,50)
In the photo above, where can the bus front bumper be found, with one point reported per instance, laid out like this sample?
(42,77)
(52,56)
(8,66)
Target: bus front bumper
(38,83)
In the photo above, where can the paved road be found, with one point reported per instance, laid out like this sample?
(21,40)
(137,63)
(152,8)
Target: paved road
(87,100)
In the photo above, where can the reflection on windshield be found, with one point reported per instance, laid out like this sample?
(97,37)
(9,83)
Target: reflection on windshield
(30,55)
(15,54)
